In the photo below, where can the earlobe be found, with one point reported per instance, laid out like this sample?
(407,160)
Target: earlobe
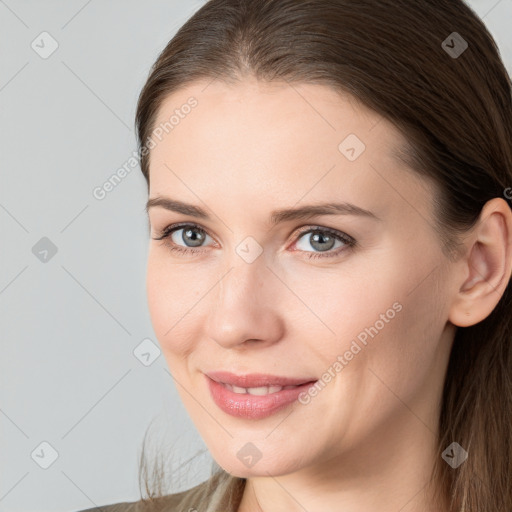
(488,265)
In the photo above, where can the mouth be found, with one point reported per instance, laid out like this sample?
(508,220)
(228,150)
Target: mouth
(254,396)
(256,391)
(256,380)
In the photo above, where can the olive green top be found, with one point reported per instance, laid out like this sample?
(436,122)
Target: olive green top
(221,493)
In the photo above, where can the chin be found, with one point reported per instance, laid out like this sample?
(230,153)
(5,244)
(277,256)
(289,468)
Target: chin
(249,463)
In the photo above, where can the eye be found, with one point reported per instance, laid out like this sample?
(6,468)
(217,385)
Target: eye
(324,240)
(191,235)
(320,238)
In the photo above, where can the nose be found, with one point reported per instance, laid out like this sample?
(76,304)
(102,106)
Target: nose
(245,307)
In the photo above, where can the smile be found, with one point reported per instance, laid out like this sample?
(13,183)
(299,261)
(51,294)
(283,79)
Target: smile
(259,391)
(254,396)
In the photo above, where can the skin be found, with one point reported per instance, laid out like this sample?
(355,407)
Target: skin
(367,440)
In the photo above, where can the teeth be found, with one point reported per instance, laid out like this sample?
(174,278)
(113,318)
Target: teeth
(263,390)
(260,391)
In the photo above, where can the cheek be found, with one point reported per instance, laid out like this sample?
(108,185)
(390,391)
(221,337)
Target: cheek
(393,332)
(386,314)
(171,295)
(386,346)
(359,300)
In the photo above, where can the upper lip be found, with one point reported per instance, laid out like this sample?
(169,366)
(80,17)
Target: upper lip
(255,380)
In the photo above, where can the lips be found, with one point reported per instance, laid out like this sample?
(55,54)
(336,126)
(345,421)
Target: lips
(255,380)
(254,396)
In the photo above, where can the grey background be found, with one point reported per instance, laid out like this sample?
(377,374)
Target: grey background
(70,324)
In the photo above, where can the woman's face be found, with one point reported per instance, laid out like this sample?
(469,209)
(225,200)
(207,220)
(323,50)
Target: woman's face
(355,297)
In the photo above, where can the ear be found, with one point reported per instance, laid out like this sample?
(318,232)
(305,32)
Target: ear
(487,265)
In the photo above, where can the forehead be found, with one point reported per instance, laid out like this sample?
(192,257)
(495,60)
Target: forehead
(276,140)
(262,111)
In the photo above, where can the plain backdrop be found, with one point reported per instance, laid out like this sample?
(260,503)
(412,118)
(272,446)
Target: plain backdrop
(81,377)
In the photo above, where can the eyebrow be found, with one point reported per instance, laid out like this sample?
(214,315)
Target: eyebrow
(276,217)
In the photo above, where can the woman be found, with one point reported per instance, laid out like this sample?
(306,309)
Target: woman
(373,373)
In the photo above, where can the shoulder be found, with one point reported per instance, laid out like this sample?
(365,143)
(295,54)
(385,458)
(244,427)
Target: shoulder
(220,492)
(161,504)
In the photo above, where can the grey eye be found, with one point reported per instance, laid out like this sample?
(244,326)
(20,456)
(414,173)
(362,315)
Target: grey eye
(190,236)
(319,240)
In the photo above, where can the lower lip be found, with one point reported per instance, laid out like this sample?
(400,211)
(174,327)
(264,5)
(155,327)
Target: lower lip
(253,406)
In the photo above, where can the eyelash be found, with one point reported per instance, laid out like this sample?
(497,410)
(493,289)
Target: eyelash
(338,235)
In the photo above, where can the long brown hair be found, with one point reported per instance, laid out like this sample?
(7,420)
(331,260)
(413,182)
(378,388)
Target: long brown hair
(452,103)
